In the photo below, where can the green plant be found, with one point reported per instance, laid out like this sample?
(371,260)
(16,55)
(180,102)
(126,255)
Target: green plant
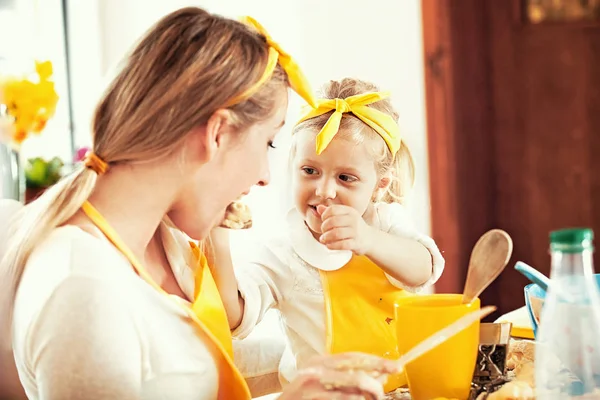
(40,173)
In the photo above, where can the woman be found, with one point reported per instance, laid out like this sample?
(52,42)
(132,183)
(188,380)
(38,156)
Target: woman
(107,296)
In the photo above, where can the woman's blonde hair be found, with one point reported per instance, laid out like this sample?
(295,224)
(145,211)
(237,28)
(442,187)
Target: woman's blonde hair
(400,167)
(187,66)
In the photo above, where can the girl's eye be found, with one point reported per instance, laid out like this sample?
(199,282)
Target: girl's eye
(309,170)
(271,145)
(348,178)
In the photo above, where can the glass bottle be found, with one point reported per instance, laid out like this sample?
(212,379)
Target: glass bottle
(567,357)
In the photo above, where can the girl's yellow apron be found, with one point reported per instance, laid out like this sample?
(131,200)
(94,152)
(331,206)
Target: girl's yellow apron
(207,311)
(359,304)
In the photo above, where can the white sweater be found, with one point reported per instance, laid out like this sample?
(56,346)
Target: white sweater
(87,327)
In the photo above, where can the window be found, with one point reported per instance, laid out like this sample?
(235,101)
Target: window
(30,30)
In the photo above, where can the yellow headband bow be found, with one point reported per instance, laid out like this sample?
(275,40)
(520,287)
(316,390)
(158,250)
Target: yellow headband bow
(381,122)
(298,81)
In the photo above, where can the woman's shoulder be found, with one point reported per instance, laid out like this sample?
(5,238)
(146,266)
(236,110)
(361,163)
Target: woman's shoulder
(72,279)
(70,266)
(71,250)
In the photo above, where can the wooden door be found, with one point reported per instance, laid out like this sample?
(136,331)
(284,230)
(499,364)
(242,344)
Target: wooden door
(513,111)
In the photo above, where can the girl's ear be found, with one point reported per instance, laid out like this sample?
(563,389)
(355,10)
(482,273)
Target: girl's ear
(382,185)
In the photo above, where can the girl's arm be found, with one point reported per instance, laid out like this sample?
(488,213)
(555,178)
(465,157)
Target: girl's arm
(385,235)
(404,259)
(251,289)
(225,278)
(416,249)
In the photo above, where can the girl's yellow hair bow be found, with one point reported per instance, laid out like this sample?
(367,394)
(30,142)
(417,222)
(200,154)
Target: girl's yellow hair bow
(381,122)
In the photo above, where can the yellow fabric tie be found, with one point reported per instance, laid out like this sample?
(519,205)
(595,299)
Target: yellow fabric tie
(95,163)
(381,122)
(277,55)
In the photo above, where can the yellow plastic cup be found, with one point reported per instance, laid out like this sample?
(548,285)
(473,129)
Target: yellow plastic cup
(447,370)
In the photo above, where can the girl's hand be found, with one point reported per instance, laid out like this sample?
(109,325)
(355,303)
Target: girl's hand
(343,228)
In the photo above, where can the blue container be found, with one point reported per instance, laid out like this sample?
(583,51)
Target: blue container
(534,299)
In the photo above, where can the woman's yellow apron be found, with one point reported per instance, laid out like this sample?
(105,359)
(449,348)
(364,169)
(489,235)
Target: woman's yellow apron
(359,303)
(207,311)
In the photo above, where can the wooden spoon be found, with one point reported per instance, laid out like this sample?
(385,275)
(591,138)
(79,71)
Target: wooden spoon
(488,258)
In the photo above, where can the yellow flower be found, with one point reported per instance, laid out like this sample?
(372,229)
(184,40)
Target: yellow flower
(43,69)
(30,104)
(19,136)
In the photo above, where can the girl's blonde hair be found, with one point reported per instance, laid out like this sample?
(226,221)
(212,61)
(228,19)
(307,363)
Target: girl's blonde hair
(400,167)
(185,68)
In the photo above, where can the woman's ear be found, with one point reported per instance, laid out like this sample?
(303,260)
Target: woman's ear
(213,135)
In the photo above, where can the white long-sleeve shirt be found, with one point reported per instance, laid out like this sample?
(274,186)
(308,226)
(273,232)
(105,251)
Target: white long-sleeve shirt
(86,326)
(284,274)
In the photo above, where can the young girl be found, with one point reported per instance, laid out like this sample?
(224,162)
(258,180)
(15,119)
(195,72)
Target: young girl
(350,250)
